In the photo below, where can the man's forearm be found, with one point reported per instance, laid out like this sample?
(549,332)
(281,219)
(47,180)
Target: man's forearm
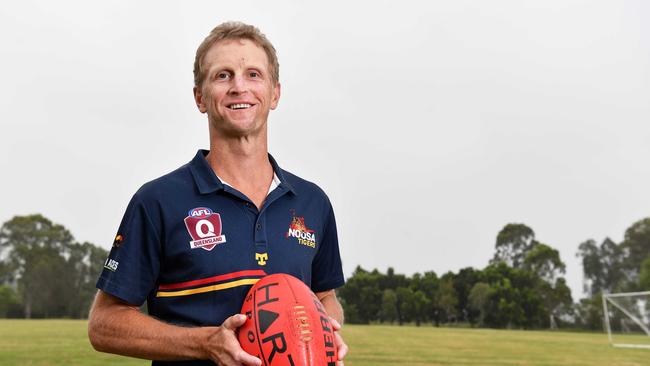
(116,327)
(332,305)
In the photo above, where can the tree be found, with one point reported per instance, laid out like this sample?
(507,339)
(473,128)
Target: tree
(84,264)
(429,285)
(6,272)
(545,262)
(512,244)
(420,300)
(447,299)
(602,266)
(388,306)
(513,300)
(478,298)
(44,289)
(363,296)
(589,313)
(420,304)
(34,244)
(405,305)
(8,300)
(54,276)
(351,311)
(636,246)
(556,298)
(644,276)
(392,280)
(503,311)
(464,281)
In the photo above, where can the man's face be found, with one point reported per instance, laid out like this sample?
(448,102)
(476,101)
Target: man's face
(237,91)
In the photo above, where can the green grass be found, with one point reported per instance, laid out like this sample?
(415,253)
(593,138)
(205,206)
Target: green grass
(64,342)
(383,345)
(52,342)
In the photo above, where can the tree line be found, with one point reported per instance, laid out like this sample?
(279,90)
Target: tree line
(523,286)
(45,272)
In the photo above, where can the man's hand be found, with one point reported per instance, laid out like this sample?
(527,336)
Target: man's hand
(342,348)
(115,326)
(224,348)
(335,311)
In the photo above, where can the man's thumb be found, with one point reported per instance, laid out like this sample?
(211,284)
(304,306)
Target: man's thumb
(234,321)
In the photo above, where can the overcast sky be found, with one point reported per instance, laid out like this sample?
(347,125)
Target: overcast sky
(430,125)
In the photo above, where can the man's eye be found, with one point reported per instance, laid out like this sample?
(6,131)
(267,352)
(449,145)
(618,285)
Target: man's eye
(222,75)
(254,74)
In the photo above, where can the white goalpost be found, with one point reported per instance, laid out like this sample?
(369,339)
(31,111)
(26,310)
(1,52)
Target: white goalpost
(627,319)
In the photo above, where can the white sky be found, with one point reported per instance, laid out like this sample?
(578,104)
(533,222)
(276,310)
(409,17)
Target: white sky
(430,126)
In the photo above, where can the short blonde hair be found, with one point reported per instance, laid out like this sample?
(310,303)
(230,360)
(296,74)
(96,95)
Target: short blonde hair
(235,30)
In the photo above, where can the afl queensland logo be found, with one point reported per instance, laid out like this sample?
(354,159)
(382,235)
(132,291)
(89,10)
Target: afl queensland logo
(204,227)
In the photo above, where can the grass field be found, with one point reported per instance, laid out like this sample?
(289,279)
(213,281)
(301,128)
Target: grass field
(64,342)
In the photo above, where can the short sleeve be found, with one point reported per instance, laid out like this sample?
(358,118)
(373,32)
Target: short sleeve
(133,264)
(327,271)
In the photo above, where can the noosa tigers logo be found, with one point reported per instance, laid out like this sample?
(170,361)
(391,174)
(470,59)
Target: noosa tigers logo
(299,230)
(204,227)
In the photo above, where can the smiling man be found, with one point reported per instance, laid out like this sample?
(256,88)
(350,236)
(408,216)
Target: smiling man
(192,242)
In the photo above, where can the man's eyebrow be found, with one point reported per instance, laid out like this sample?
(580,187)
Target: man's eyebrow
(217,67)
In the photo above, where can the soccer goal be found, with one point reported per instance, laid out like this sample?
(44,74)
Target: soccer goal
(627,319)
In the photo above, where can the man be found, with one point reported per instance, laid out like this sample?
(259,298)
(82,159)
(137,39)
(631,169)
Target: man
(193,241)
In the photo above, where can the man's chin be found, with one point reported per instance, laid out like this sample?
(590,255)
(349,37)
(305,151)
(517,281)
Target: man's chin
(238,128)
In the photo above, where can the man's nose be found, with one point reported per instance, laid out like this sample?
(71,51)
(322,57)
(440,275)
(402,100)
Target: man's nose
(238,85)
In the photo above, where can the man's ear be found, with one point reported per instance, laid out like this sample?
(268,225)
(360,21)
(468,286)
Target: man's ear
(276,96)
(198,98)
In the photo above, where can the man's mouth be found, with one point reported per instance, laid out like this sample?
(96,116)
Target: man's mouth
(239,106)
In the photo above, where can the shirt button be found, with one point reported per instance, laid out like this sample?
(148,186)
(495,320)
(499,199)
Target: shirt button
(259,226)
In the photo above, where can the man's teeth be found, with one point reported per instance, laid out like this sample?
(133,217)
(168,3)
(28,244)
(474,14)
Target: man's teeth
(240,106)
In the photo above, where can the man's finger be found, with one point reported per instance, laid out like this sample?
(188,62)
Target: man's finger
(234,321)
(342,347)
(335,324)
(247,359)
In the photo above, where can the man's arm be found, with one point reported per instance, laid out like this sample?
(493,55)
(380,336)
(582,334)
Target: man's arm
(335,311)
(115,326)
(331,304)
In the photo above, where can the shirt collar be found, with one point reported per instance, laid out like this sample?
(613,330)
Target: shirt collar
(275,182)
(207,182)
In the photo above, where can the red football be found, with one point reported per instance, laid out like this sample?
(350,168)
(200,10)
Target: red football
(287,325)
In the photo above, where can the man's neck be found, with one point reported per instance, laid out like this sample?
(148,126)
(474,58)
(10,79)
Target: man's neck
(243,162)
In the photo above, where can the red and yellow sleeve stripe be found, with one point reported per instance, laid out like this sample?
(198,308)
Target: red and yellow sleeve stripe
(215,283)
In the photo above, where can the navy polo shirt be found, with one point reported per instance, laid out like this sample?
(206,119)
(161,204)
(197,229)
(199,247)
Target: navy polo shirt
(192,246)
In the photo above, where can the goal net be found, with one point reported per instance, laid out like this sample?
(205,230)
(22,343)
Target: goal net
(627,319)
